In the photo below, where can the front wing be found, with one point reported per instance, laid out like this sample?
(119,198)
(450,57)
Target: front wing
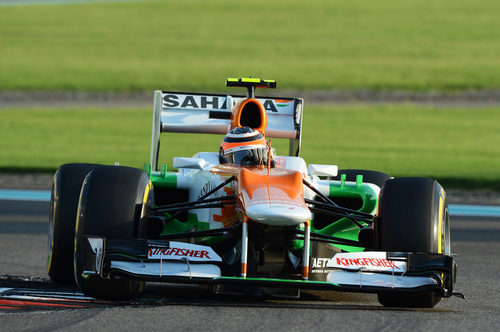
(169,261)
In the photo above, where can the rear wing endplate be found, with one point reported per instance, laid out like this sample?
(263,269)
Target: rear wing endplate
(179,112)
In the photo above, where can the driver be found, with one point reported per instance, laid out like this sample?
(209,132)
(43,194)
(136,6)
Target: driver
(244,146)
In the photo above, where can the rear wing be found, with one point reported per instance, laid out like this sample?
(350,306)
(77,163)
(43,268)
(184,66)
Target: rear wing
(179,112)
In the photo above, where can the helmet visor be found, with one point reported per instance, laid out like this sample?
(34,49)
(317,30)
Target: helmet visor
(251,157)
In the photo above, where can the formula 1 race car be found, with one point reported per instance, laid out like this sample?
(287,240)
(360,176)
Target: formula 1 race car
(245,220)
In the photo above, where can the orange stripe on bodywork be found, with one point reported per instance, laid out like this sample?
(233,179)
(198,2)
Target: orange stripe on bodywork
(227,216)
(290,183)
(305,272)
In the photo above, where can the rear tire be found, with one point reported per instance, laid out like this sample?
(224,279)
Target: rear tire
(111,205)
(413,217)
(66,188)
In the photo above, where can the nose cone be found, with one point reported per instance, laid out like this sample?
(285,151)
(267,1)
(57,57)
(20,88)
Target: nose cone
(273,199)
(278,214)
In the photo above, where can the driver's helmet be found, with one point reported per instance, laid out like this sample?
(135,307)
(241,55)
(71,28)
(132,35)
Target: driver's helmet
(244,146)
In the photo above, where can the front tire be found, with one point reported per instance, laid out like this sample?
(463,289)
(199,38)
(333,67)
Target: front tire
(66,188)
(112,201)
(413,217)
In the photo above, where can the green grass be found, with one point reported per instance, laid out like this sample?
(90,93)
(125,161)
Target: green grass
(458,146)
(405,45)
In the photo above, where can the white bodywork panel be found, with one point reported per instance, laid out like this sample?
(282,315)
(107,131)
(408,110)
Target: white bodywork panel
(378,280)
(168,269)
(322,170)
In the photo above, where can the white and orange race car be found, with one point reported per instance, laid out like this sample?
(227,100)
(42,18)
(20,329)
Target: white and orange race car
(243,219)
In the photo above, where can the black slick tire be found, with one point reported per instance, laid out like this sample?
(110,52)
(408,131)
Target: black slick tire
(111,205)
(66,188)
(413,217)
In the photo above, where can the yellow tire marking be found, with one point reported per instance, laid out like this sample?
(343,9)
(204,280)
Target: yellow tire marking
(145,198)
(146,193)
(440,227)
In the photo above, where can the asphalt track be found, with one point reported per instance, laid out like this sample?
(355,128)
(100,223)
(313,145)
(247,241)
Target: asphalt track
(30,302)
